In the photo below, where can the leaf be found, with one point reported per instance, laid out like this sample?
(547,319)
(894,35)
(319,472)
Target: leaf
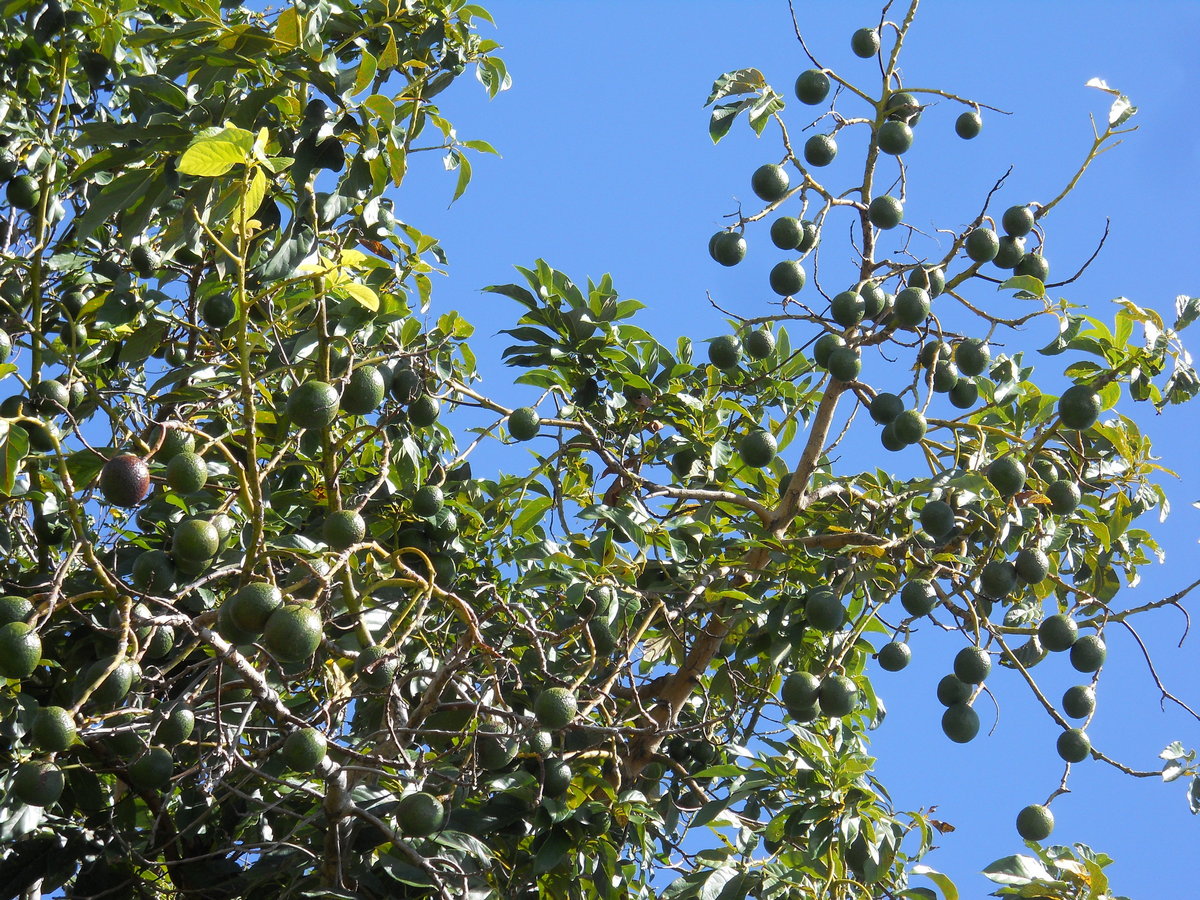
(14,446)
(464,842)
(493,75)
(252,198)
(948,889)
(722,119)
(1068,329)
(390,57)
(531,514)
(741,81)
(1187,310)
(1120,112)
(1139,314)
(516,292)
(762,110)
(288,257)
(139,345)
(1175,749)
(158,87)
(121,193)
(481,146)
(716,882)
(1017,870)
(367,67)
(710,811)
(1194,796)
(1026,283)
(217,152)
(725,770)
(84,465)
(362,294)
(682,887)
(1172,770)
(1028,654)
(287,27)
(464,177)
(552,852)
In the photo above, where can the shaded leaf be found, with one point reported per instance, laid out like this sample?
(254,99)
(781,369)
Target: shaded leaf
(741,81)
(722,119)
(1187,310)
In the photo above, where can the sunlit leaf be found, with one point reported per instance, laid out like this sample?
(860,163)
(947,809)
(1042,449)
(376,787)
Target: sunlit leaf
(217,151)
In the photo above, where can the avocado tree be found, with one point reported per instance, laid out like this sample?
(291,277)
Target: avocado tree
(276,624)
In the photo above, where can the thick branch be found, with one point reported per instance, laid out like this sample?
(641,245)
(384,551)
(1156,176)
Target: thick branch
(674,692)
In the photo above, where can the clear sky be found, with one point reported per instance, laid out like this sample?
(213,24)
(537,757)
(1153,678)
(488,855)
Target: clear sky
(607,167)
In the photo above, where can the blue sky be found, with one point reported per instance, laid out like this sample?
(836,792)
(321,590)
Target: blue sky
(607,167)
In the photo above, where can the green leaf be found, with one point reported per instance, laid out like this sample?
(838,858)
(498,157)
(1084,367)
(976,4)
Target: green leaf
(14,446)
(1084,369)
(516,292)
(121,193)
(1121,110)
(722,119)
(1187,310)
(362,294)
(762,110)
(1017,870)
(531,514)
(552,852)
(464,177)
(390,57)
(158,87)
(481,146)
(470,845)
(287,27)
(216,152)
(493,75)
(144,341)
(253,197)
(1109,395)
(1069,327)
(741,81)
(710,811)
(725,770)
(1026,283)
(949,891)
(715,884)
(1173,750)
(367,67)
(84,465)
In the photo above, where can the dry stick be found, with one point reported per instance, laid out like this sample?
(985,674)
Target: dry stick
(1090,259)
(1166,695)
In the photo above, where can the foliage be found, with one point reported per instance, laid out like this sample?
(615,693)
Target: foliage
(212,266)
